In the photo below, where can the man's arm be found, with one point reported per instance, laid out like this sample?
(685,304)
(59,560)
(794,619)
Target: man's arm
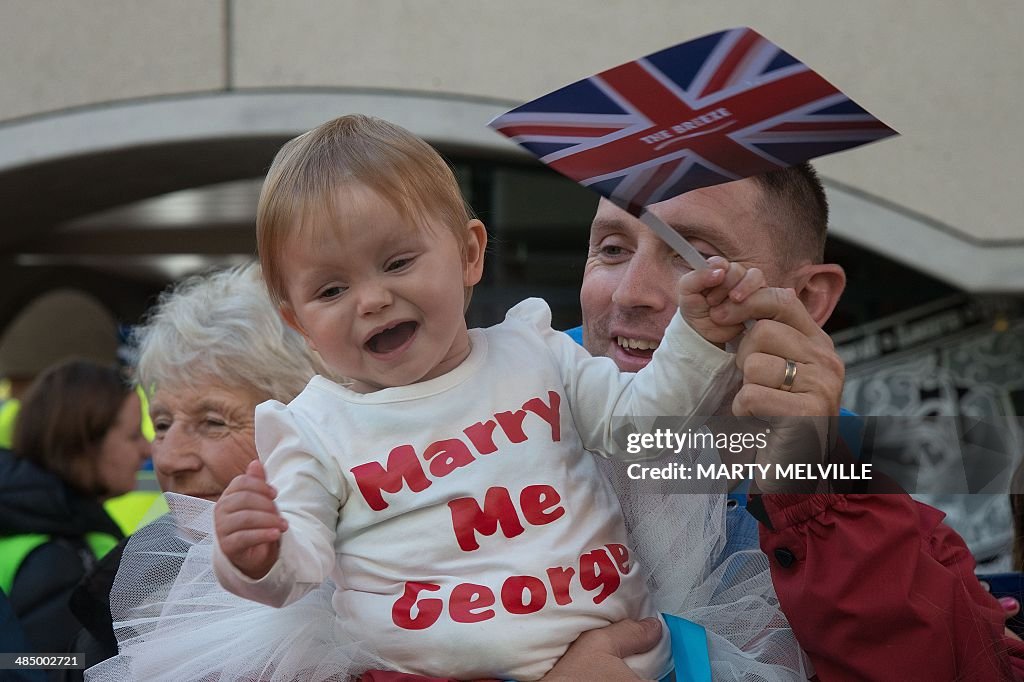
(877,587)
(874,586)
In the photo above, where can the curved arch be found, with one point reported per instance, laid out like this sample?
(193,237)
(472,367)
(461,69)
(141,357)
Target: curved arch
(91,130)
(100,157)
(920,244)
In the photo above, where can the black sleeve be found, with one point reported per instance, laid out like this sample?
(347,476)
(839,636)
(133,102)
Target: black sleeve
(40,593)
(90,600)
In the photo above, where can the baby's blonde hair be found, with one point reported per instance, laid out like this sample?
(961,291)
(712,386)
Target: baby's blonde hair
(303,182)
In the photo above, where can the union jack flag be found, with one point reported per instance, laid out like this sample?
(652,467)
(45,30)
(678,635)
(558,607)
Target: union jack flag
(715,109)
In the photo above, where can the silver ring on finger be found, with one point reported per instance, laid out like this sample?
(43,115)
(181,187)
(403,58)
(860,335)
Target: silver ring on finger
(789,377)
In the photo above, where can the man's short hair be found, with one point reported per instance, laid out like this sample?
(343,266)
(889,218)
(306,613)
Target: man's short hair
(795,200)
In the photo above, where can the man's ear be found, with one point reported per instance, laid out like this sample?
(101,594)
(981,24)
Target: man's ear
(819,287)
(288,315)
(476,244)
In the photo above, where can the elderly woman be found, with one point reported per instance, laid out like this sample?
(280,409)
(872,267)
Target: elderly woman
(212,349)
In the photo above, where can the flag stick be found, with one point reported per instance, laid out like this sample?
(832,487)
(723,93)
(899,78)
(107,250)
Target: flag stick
(675,240)
(679,244)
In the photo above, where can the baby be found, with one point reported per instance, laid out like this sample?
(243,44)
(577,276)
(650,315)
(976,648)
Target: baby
(449,489)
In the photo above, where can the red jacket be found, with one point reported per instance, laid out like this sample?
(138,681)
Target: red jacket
(876,587)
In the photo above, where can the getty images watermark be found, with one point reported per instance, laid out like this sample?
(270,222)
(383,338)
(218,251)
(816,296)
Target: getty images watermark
(665,441)
(809,454)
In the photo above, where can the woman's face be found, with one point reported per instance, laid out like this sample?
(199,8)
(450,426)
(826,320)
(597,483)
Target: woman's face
(123,449)
(204,437)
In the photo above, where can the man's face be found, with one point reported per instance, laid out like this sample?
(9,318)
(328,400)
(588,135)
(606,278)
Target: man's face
(628,295)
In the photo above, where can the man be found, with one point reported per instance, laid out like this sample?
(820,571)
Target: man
(630,273)
(874,586)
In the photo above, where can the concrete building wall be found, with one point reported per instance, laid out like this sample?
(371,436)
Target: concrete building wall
(59,54)
(944,73)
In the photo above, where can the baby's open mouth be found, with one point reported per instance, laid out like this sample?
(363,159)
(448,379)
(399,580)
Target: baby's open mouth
(392,338)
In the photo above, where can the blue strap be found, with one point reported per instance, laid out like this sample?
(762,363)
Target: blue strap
(689,651)
(851,430)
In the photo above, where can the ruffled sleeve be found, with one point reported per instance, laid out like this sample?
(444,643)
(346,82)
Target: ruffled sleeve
(688,377)
(311,492)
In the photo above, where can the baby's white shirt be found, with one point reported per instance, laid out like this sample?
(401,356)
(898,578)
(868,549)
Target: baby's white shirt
(468,530)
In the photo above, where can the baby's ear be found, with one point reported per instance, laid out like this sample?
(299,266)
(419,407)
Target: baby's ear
(288,315)
(476,244)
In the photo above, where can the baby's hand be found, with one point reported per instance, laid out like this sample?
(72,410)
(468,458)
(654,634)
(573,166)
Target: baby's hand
(701,290)
(248,524)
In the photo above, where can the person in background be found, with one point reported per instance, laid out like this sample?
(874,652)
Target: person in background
(36,339)
(77,443)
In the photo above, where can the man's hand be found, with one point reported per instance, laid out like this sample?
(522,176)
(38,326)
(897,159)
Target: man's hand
(802,418)
(701,291)
(248,524)
(784,331)
(598,654)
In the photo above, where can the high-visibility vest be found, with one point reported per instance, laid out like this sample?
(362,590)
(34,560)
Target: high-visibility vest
(15,548)
(130,510)
(147,423)
(8,414)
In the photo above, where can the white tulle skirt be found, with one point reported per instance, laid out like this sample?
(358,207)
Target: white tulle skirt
(173,621)
(679,539)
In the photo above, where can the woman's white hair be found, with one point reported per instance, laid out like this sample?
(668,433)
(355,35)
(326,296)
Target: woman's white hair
(222,327)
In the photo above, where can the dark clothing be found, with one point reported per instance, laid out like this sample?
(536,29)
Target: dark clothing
(12,641)
(34,501)
(90,601)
